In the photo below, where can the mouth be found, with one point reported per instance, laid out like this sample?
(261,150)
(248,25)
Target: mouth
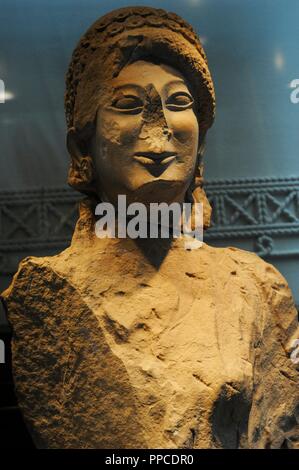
(155,159)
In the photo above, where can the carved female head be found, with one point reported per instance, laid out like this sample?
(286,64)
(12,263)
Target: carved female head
(139,101)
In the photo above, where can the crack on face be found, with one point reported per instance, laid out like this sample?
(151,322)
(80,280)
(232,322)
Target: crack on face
(111,132)
(154,128)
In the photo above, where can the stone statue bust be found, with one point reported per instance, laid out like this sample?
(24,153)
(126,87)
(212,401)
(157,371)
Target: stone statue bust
(140,343)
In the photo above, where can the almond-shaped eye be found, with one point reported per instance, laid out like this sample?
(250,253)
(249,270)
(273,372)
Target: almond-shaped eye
(179,101)
(128,103)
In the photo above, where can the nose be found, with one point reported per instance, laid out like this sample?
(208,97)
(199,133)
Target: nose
(167,132)
(154,129)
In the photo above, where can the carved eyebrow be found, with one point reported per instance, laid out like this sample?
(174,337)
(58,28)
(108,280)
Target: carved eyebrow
(128,86)
(175,82)
(141,88)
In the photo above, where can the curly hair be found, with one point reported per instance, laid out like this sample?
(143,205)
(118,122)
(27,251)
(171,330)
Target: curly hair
(125,35)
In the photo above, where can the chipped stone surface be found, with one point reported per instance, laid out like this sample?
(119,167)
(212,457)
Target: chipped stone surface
(123,344)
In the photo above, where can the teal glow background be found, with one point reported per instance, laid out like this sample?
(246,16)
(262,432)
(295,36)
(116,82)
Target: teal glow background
(252,47)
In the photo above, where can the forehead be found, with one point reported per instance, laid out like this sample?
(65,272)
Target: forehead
(143,73)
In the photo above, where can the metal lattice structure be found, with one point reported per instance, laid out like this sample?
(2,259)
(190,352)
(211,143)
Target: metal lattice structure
(264,212)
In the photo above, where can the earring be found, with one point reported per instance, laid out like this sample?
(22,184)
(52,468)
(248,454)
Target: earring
(196,194)
(86,169)
(81,174)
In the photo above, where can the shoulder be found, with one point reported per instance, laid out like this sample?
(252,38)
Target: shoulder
(271,284)
(279,310)
(247,261)
(34,280)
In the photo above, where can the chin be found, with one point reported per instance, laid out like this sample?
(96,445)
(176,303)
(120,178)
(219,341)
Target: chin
(158,190)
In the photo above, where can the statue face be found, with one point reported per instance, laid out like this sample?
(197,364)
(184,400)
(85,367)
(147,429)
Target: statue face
(146,139)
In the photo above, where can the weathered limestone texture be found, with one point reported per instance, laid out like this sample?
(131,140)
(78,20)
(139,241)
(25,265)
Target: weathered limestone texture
(127,344)
(140,343)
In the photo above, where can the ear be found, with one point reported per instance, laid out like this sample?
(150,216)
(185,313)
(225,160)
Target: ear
(201,147)
(74,144)
(195,192)
(81,173)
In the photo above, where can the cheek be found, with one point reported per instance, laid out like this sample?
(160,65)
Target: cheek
(185,127)
(118,130)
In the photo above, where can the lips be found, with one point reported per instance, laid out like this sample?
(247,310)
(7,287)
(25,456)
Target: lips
(153,158)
